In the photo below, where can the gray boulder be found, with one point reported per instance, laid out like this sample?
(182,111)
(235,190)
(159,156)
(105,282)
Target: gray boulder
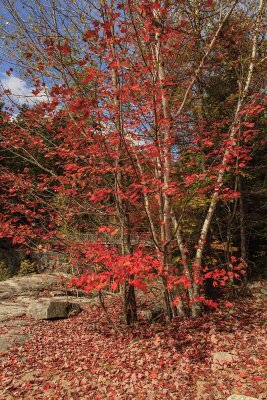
(67,292)
(222,356)
(264,290)
(29,285)
(10,310)
(151,315)
(240,397)
(52,308)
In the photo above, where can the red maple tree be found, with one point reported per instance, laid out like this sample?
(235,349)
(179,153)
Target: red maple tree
(114,164)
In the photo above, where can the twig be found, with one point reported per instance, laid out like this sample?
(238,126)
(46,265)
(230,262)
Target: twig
(101,300)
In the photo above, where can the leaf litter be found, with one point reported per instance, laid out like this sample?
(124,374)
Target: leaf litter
(83,358)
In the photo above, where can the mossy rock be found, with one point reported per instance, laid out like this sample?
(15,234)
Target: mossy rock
(5,273)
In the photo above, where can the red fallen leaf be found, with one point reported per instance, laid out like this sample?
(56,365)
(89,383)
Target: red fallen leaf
(257,379)
(243,374)
(46,386)
(84,381)
(210,303)
(154,375)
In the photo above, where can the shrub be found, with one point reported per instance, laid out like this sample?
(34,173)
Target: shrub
(4,271)
(26,268)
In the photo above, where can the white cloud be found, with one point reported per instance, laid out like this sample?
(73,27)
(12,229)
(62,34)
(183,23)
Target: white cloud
(20,92)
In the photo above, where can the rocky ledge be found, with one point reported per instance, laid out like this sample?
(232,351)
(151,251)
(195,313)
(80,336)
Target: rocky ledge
(42,296)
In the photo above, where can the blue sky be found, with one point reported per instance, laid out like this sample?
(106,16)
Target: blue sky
(21,90)
(19,85)
(67,18)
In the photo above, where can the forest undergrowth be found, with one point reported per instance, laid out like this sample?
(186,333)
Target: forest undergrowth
(83,358)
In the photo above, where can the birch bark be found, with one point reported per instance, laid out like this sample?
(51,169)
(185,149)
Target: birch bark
(232,135)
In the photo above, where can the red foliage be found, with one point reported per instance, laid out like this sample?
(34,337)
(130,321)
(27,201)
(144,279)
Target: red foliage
(120,154)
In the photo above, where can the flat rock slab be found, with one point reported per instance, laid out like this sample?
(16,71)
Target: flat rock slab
(22,285)
(10,310)
(13,323)
(16,296)
(52,308)
(12,338)
(11,334)
(222,357)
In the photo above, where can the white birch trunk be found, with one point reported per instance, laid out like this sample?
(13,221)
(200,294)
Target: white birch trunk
(232,135)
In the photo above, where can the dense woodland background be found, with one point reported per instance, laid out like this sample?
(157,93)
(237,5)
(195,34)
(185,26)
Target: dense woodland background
(139,159)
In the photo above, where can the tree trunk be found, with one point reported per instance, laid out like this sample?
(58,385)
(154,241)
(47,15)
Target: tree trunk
(130,307)
(243,238)
(196,308)
(242,221)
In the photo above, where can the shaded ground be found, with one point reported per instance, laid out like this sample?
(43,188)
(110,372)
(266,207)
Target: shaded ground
(81,358)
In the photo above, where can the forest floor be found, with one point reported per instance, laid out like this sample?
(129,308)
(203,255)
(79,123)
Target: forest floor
(210,358)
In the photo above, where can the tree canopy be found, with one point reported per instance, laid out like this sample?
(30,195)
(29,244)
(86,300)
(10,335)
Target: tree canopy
(138,152)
